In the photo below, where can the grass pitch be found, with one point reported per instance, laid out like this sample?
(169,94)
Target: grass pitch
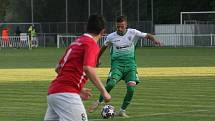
(177,84)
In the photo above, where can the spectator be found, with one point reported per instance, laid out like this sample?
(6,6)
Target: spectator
(5,41)
(33,36)
(18,31)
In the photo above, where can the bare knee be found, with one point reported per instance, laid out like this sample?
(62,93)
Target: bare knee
(131,83)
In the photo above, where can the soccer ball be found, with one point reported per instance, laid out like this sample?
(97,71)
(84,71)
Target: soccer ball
(108,111)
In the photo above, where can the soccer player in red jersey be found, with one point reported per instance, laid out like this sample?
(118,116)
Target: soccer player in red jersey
(66,91)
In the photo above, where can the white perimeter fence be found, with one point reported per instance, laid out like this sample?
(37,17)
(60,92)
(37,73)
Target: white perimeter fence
(167,40)
(21,41)
(59,41)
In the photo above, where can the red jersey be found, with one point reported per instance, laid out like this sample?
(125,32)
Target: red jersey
(5,35)
(71,77)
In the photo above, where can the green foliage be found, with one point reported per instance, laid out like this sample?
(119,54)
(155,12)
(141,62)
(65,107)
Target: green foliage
(165,11)
(3,7)
(168,11)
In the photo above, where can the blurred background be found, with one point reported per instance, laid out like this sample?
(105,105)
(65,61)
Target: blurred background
(68,17)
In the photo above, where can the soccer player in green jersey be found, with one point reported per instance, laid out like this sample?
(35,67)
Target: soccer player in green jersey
(123,65)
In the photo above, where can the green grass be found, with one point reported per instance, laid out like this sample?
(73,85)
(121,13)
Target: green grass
(157,98)
(24,58)
(176,57)
(147,57)
(23,101)
(169,99)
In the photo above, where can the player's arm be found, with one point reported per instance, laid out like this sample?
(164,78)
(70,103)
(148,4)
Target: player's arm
(102,49)
(91,74)
(57,68)
(153,39)
(147,36)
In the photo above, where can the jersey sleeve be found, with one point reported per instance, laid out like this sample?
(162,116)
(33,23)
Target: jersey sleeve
(107,41)
(90,54)
(139,33)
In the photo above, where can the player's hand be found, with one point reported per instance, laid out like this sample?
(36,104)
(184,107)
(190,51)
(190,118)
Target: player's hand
(85,94)
(107,97)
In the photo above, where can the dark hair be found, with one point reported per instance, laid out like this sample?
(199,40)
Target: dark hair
(96,23)
(121,19)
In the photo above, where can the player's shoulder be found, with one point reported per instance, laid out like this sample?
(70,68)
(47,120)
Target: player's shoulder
(85,40)
(130,30)
(111,35)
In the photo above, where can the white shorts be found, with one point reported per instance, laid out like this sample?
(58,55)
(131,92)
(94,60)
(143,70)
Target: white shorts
(65,107)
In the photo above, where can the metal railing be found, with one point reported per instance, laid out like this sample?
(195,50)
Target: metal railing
(187,40)
(21,41)
(59,41)
(167,40)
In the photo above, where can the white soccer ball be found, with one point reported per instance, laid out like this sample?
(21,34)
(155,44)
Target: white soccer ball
(108,111)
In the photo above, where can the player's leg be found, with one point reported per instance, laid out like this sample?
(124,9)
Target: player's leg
(114,77)
(68,106)
(127,99)
(50,115)
(131,80)
(110,84)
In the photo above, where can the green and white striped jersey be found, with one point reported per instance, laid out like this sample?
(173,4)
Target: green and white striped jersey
(122,48)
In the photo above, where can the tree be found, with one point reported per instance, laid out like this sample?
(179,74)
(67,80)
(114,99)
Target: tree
(4,4)
(165,11)
(18,11)
(168,11)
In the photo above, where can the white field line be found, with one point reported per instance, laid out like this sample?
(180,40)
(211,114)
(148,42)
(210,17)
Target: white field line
(180,104)
(157,114)
(174,105)
(170,113)
(175,99)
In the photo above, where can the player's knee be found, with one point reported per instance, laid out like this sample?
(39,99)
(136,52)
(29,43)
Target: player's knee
(111,83)
(131,83)
(130,89)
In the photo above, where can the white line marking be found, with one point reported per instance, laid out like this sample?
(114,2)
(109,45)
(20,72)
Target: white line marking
(157,114)
(192,111)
